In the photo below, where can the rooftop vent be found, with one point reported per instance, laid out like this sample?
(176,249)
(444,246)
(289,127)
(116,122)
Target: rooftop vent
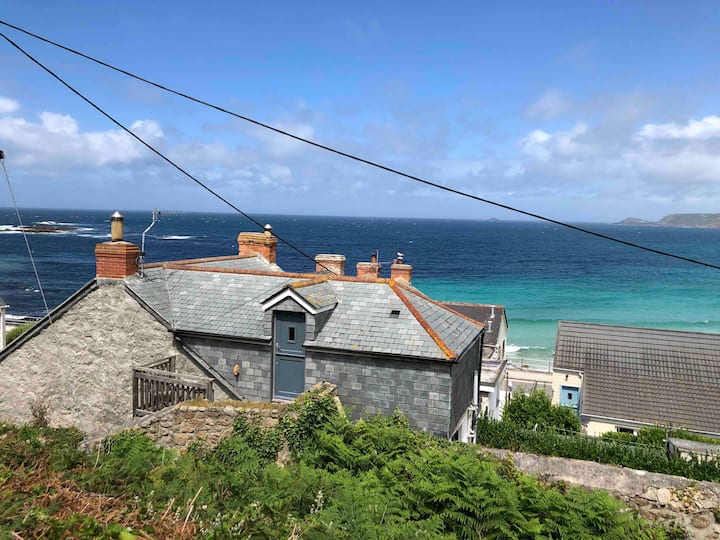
(395,314)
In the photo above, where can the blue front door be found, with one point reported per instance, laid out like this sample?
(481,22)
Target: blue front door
(570,397)
(289,354)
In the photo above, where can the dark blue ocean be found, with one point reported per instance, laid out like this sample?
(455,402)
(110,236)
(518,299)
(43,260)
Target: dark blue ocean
(540,272)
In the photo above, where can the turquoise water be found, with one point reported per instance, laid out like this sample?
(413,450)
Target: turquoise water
(541,273)
(534,307)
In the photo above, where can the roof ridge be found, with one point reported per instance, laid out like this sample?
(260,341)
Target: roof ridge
(310,282)
(430,331)
(642,328)
(201,260)
(441,304)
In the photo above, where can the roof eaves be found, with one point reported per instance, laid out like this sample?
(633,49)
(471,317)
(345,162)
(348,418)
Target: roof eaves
(430,331)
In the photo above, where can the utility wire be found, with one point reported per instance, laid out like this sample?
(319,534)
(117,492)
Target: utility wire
(24,233)
(351,156)
(156,151)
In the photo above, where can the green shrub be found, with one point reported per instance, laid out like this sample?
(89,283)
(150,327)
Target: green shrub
(14,333)
(501,434)
(537,409)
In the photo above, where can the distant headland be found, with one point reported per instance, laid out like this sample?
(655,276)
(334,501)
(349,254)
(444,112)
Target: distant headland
(701,221)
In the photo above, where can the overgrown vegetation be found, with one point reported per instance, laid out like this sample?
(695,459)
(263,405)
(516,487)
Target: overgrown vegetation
(536,409)
(646,452)
(14,333)
(374,478)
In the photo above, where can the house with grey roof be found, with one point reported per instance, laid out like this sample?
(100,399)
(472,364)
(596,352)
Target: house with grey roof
(494,376)
(622,378)
(240,327)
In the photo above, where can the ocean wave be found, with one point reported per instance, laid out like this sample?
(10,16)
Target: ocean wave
(176,237)
(99,236)
(52,223)
(517,348)
(31,289)
(9,229)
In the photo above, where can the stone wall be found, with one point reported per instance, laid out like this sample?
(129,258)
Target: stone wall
(367,384)
(694,505)
(81,365)
(179,426)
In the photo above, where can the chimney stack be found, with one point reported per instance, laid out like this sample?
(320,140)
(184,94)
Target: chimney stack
(325,262)
(116,259)
(262,244)
(369,270)
(399,270)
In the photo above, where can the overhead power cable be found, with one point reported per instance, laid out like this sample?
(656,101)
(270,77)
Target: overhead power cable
(24,233)
(354,157)
(156,151)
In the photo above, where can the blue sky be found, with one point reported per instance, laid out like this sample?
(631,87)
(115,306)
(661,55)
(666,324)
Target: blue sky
(585,111)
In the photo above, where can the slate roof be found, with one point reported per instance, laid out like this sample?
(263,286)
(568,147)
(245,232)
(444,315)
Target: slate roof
(228,303)
(491,315)
(644,375)
(320,295)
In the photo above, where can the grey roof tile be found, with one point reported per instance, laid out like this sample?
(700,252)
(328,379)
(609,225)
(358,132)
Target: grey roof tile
(230,304)
(643,374)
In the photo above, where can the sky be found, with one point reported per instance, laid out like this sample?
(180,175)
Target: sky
(581,111)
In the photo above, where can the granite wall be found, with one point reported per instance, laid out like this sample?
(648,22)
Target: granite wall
(80,367)
(693,505)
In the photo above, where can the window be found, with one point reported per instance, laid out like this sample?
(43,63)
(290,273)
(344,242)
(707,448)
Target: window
(395,314)
(291,334)
(621,429)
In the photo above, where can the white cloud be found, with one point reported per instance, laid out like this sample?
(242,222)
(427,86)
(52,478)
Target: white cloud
(280,146)
(706,128)
(551,104)
(57,144)
(8,105)
(62,124)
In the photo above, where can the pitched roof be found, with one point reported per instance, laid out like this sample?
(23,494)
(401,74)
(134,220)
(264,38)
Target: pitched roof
(491,315)
(374,317)
(644,375)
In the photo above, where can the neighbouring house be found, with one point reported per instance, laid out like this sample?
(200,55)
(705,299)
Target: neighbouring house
(621,378)
(493,377)
(239,327)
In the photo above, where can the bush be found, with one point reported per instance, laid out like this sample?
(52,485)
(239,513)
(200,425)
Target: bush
(501,434)
(14,333)
(528,410)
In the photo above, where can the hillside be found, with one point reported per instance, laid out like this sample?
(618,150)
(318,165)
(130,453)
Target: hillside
(704,221)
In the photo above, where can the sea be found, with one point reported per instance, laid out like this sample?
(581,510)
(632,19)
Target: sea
(540,272)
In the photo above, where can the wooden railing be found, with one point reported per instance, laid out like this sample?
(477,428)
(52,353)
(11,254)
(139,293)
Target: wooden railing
(155,388)
(166,364)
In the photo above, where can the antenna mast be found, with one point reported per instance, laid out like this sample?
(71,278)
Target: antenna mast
(141,259)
